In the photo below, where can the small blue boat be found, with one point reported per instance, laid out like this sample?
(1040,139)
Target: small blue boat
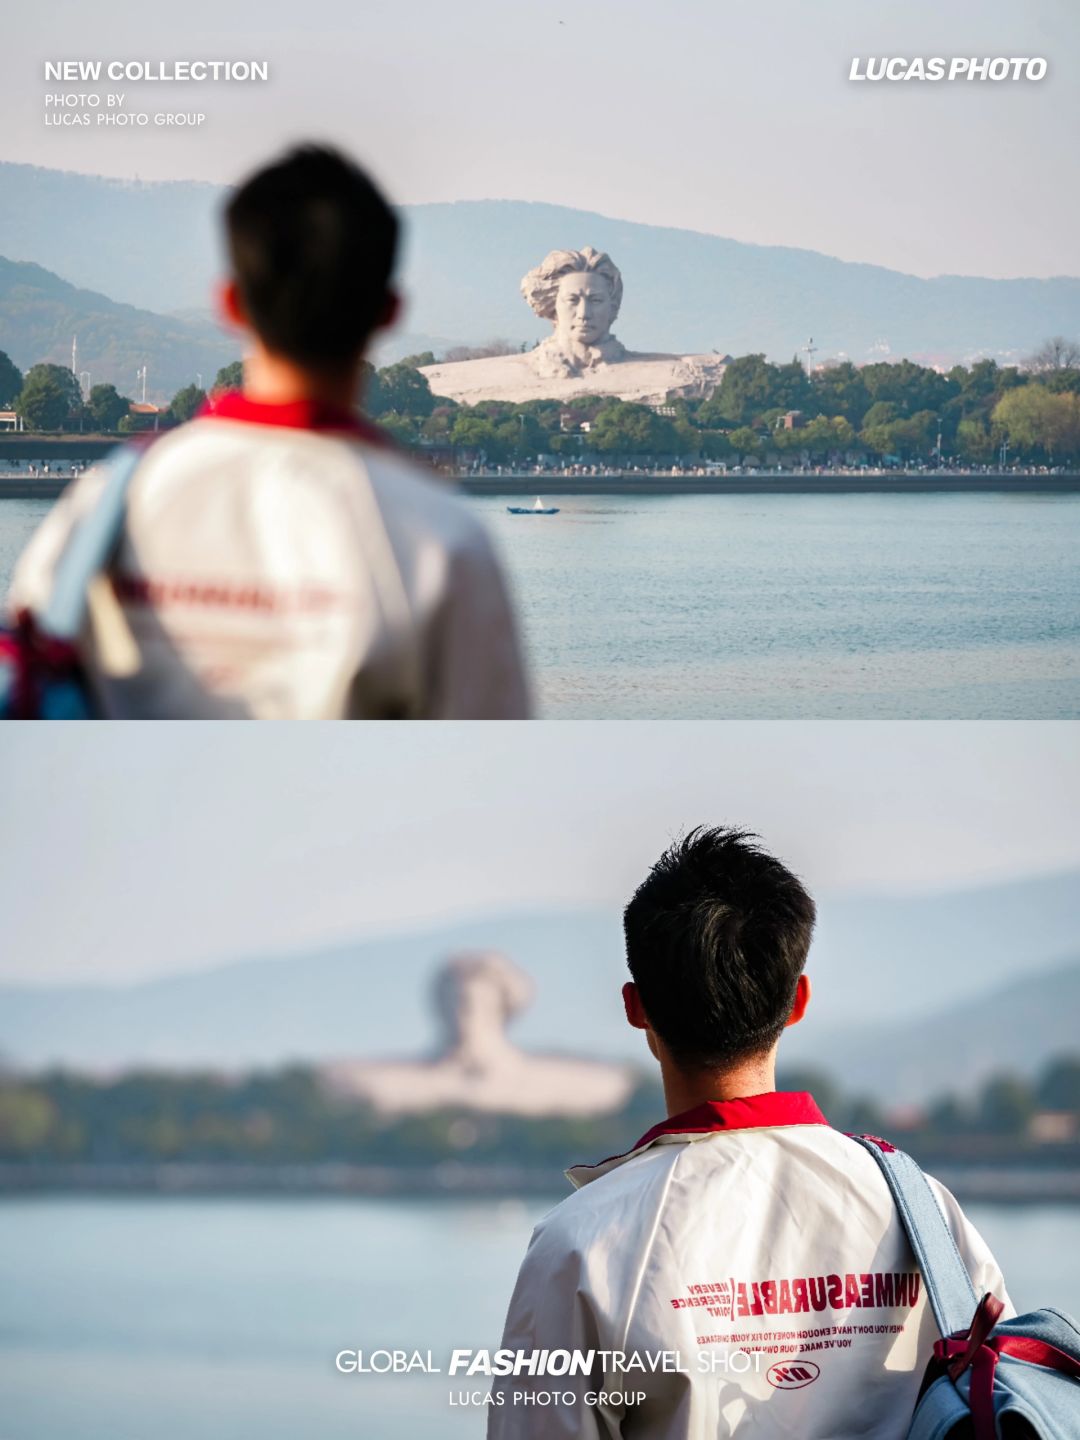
(539,508)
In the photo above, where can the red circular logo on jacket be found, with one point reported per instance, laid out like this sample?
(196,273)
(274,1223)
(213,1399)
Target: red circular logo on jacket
(792,1374)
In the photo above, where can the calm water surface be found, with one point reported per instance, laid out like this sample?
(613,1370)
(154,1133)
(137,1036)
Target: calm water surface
(18,521)
(786,606)
(792,606)
(126,1318)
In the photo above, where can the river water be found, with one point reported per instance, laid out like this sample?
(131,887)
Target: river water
(800,606)
(786,606)
(123,1318)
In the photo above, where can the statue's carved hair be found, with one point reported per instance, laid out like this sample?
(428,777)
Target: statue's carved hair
(541,285)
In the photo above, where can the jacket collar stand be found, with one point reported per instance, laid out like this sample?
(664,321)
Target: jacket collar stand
(294,415)
(775,1109)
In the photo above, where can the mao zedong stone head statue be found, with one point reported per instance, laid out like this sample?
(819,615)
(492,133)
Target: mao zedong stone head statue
(580,292)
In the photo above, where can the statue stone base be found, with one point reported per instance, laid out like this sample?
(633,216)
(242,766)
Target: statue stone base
(647,379)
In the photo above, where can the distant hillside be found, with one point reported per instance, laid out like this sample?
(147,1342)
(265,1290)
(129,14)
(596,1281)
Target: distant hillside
(906,990)
(149,245)
(1015,1028)
(156,245)
(40,313)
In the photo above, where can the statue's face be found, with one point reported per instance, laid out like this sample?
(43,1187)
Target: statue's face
(480,1009)
(584,307)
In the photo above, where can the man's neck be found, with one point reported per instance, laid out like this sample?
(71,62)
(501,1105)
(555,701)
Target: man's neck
(274,380)
(685,1090)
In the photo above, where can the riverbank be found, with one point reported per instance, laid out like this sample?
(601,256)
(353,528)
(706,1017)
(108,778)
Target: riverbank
(830,482)
(36,487)
(996,1184)
(634,482)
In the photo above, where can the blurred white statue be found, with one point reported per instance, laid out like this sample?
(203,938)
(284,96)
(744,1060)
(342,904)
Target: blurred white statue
(477,1066)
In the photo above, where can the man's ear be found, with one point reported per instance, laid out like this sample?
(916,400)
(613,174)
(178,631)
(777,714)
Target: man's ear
(230,306)
(635,1011)
(390,312)
(802,999)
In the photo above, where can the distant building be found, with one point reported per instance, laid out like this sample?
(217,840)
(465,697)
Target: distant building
(792,420)
(1054,1127)
(142,410)
(11,420)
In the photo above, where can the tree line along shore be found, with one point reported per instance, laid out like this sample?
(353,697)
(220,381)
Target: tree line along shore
(891,413)
(59,1123)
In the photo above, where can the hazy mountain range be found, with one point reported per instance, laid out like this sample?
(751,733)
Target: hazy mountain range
(912,996)
(40,313)
(155,246)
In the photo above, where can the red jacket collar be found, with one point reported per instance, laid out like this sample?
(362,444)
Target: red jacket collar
(296,415)
(750,1112)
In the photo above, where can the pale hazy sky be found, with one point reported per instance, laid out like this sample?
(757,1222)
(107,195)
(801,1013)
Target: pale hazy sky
(136,850)
(734,117)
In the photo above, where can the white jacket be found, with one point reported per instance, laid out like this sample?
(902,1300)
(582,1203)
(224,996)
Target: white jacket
(753,1235)
(280,561)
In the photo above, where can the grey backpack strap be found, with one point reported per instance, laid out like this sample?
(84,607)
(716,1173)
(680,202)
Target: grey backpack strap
(948,1284)
(89,548)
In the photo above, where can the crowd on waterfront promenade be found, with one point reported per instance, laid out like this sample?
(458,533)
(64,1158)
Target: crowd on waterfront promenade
(660,469)
(41,469)
(53,470)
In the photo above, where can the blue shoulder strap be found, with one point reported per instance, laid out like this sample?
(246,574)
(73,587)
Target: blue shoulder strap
(89,548)
(948,1284)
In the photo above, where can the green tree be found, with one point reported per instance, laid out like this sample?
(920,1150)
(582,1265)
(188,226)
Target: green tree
(687,437)
(840,390)
(877,427)
(716,444)
(979,385)
(946,1116)
(1066,378)
(744,441)
(106,407)
(523,433)
(824,436)
(26,1117)
(400,390)
(914,436)
(50,396)
(439,423)
(404,428)
(11,381)
(750,386)
(1039,423)
(1059,1085)
(1006,1105)
(476,432)
(623,428)
(973,442)
(910,387)
(186,403)
(230,377)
